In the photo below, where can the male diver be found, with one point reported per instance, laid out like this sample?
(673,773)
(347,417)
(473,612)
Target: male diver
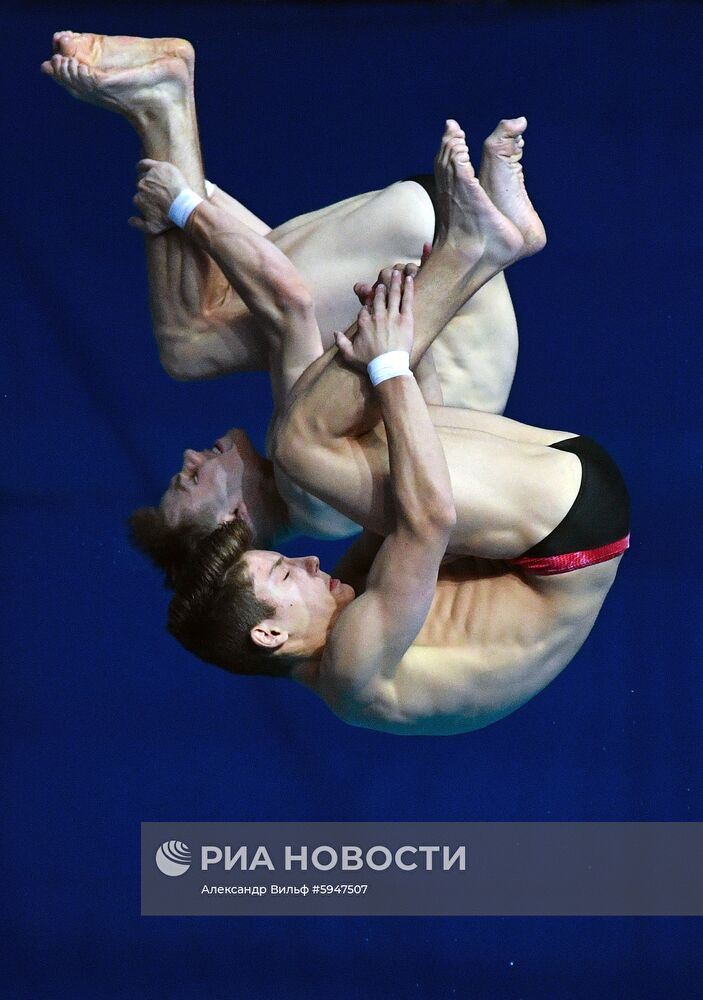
(534,522)
(201,316)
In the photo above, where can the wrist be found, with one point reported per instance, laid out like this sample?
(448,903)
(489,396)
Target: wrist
(183,206)
(391,364)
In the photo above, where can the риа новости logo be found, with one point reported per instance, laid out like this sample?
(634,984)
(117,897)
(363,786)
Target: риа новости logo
(173,857)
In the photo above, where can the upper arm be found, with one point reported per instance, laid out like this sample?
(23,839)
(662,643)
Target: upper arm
(356,562)
(375,631)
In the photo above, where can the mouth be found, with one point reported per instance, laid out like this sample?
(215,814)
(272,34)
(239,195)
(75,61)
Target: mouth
(334,583)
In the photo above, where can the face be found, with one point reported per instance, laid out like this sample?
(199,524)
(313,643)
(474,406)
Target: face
(211,483)
(307,601)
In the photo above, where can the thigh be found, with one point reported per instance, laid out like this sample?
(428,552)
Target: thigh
(337,246)
(476,353)
(333,248)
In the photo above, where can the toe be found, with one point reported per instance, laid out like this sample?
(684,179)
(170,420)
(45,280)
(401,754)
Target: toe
(64,44)
(512,126)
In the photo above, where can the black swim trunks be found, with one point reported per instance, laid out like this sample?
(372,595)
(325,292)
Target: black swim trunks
(597,527)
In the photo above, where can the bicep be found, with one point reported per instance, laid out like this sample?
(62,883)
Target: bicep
(373,634)
(345,473)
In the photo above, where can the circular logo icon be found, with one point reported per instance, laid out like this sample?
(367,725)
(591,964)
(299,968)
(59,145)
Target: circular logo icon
(173,858)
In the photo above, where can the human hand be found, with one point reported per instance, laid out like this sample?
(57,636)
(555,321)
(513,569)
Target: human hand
(364,291)
(158,183)
(385,324)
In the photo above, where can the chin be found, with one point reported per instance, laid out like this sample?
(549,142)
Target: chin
(345,594)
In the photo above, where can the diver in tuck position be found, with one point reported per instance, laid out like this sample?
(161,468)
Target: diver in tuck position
(489,548)
(220,293)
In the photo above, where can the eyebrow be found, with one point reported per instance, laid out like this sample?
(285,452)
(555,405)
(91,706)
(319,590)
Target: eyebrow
(276,565)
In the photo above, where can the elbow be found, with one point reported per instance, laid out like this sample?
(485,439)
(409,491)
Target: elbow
(185,363)
(189,357)
(441,515)
(293,297)
(178,363)
(435,517)
(301,297)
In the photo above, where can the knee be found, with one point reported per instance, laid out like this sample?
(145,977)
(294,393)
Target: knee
(418,214)
(183,361)
(177,364)
(409,218)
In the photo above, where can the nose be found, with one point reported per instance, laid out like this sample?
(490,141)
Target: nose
(312,564)
(191,459)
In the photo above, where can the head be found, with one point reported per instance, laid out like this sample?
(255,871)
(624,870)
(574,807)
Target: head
(212,487)
(253,611)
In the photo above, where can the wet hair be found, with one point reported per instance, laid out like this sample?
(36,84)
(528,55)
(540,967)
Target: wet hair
(214,607)
(172,548)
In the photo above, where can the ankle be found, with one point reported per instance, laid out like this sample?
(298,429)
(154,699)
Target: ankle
(161,120)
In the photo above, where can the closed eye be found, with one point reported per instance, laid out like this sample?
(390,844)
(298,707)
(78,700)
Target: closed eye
(286,576)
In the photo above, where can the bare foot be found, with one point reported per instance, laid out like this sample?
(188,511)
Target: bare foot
(467,219)
(119,51)
(502,178)
(128,91)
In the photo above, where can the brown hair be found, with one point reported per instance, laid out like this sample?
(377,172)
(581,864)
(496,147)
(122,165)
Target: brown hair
(215,608)
(171,548)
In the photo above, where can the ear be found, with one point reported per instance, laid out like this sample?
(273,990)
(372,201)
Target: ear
(240,511)
(266,635)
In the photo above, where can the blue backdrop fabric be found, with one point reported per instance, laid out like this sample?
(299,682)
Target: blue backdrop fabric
(107,722)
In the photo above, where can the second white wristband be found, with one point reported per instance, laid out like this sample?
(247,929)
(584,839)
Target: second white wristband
(392,364)
(182,206)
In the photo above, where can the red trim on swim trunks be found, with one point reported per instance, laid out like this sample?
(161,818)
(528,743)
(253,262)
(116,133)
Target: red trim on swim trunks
(550,565)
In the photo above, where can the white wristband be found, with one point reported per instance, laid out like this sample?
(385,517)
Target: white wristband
(389,365)
(182,205)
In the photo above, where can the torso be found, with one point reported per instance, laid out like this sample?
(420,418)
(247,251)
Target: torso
(310,516)
(493,639)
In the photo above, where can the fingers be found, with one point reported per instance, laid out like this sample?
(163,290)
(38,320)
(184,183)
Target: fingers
(406,305)
(394,293)
(363,320)
(344,345)
(137,223)
(363,292)
(147,164)
(379,300)
(385,276)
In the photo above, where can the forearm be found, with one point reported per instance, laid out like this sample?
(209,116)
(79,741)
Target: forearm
(418,475)
(332,402)
(374,633)
(202,327)
(260,273)
(224,200)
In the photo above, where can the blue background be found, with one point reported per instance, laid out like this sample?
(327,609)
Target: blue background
(107,722)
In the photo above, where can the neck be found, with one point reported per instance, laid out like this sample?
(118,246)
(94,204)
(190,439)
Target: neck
(307,672)
(268,511)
